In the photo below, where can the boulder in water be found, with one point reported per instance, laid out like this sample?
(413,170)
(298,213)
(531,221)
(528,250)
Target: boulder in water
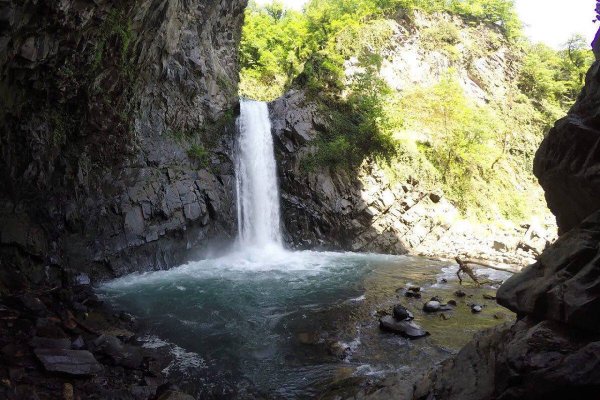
(415,295)
(476,308)
(434,305)
(405,328)
(401,313)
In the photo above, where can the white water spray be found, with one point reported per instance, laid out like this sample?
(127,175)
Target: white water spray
(257,191)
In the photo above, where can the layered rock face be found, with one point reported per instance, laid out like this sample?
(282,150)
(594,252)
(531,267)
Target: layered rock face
(116,132)
(567,161)
(364,211)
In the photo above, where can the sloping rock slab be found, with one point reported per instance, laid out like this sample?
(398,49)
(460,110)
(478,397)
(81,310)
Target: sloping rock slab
(72,362)
(530,360)
(564,285)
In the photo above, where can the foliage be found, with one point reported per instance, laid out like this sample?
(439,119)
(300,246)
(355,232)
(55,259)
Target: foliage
(359,126)
(479,153)
(554,79)
(200,154)
(281,46)
(274,47)
(443,37)
(116,27)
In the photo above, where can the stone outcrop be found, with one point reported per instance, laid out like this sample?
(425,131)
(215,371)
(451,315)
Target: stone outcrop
(116,131)
(564,285)
(566,163)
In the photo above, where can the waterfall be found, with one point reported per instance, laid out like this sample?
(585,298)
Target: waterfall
(257,190)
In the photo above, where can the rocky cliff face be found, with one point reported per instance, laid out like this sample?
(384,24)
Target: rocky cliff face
(567,161)
(116,132)
(366,211)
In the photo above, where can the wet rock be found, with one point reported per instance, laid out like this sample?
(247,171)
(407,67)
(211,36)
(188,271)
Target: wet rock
(414,289)
(432,306)
(460,293)
(435,306)
(82,279)
(121,354)
(310,338)
(123,334)
(413,295)
(33,304)
(8,313)
(401,313)
(339,349)
(405,328)
(476,308)
(72,362)
(80,308)
(172,395)
(93,301)
(143,392)
(452,303)
(546,360)
(48,328)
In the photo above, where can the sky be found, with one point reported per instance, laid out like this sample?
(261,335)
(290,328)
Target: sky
(548,21)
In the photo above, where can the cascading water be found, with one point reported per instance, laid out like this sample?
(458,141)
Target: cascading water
(257,191)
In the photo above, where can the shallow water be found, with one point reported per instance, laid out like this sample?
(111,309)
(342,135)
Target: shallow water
(292,325)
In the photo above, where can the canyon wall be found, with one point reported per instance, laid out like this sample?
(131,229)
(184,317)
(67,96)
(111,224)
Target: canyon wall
(116,132)
(368,209)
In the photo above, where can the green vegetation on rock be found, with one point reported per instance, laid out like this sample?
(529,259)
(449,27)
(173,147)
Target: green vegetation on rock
(478,150)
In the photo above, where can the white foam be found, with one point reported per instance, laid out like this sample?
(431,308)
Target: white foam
(184,362)
(250,260)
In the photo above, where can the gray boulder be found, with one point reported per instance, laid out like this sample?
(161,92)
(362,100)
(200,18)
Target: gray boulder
(71,362)
(405,328)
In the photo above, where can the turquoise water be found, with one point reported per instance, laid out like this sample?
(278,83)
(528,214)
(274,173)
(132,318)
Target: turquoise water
(278,324)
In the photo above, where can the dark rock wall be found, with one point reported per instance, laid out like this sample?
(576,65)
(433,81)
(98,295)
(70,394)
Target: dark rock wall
(567,163)
(103,104)
(325,209)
